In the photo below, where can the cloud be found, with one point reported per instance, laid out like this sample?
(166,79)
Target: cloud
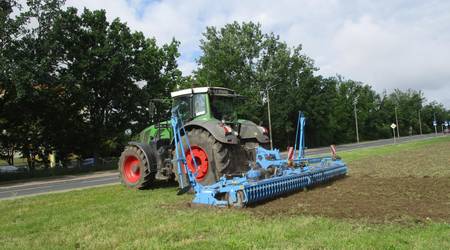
(388,44)
(390,56)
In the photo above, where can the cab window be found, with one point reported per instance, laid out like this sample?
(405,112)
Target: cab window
(199,104)
(184,107)
(222,107)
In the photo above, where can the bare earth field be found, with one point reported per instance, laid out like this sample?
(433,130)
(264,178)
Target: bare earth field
(370,198)
(409,185)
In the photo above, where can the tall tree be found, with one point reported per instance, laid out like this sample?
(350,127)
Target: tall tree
(75,82)
(242,57)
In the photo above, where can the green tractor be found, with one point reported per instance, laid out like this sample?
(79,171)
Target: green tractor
(221,144)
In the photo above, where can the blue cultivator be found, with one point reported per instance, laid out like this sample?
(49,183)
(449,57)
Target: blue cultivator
(270,176)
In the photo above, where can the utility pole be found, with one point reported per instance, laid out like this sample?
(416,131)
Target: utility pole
(356,119)
(420,124)
(268,113)
(270,122)
(396,121)
(435,124)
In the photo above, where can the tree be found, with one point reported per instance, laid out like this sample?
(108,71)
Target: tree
(350,95)
(429,112)
(8,124)
(70,80)
(241,57)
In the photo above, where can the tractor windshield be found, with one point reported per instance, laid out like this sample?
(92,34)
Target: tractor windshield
(222,107)
(184,107)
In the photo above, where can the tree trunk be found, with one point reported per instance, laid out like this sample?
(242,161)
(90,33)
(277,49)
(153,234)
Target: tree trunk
(10,157)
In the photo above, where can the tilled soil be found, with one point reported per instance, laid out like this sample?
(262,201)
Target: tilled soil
(369,198)
(409,186)
(412,185)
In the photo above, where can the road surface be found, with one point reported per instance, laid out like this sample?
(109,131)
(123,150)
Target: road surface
(66,183)
(368,144)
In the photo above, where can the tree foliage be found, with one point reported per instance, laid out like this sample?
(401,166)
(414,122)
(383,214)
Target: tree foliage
(242,57)
(74,82)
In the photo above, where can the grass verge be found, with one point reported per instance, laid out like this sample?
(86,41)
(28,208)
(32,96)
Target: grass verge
(115,217)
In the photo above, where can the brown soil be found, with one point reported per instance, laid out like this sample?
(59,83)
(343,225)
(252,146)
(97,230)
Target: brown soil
(369,198)
(409,186)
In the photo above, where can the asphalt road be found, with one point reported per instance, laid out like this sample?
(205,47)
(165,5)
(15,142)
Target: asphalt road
(368,144)
(66,183)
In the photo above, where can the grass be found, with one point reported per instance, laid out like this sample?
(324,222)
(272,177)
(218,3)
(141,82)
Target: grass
(19,161)
(115,217)
(394,149)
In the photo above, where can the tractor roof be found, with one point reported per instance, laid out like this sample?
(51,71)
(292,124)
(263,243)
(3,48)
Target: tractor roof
(213,90)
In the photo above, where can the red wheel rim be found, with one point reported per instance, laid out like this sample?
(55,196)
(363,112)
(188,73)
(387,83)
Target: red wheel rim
(131,170)
(201,158)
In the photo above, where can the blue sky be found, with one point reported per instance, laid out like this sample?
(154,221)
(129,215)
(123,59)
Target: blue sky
(387,44)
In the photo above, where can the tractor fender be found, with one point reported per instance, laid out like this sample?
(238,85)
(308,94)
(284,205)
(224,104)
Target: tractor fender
(149,151)
(215,129)
(250,130)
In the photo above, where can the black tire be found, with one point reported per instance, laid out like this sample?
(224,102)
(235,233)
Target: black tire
(218,155)
(134,156)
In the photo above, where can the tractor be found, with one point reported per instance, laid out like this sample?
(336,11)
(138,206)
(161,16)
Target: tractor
(220,144)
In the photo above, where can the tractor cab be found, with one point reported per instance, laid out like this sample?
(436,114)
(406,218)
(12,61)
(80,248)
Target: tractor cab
(221,144)
(206,103)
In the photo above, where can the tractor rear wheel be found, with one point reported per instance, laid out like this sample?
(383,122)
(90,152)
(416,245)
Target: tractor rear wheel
(212,158)
(134,168)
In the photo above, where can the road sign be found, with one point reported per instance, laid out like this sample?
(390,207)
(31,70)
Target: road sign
(393,126)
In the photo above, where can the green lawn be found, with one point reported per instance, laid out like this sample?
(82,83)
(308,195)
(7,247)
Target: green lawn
(394,149)
(115,217)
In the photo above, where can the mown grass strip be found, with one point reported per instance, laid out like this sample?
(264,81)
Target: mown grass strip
(392,149)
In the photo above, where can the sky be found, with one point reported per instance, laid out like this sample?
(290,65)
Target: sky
(387,43)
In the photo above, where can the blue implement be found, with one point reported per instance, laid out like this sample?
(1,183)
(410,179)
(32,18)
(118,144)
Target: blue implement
(269,177)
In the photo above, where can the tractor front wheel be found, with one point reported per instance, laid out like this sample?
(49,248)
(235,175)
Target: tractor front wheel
(134,168)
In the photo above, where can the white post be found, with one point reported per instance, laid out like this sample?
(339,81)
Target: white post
(393,132)
(393,126)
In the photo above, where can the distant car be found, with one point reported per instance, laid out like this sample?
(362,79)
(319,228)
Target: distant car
(88,162)
(12,169)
